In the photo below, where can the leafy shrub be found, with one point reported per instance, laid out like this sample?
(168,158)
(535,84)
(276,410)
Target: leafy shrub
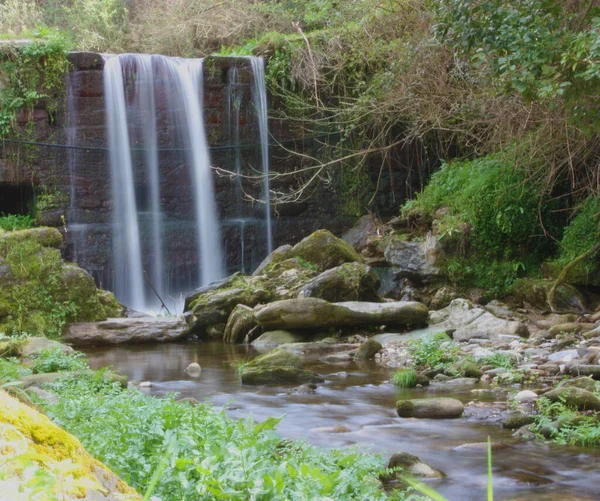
(213,456)
(405,378)
(499,360)
(14,222)
(580,236)
(12,370)
(54,360)
(434,351)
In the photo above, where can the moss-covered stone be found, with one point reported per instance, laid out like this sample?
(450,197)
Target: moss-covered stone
(325,250)
(534,292)
(277,358)
(470,370)
(81,290)
(368,350)
(240,322)
(348,282)
(278,375)
(44,237)
(430,408)
(517,420)
(112,307)
(22,426)
(575,397)
(584,382)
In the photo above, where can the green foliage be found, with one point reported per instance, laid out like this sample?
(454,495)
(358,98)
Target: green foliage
(499,360)
(31,73)
(405,378)
(54,360)
(564,425)
(212,456)
(13,222)
(580,236)
(434,351)
(12,370)
(538,47)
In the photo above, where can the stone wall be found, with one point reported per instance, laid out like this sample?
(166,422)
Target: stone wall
(69,182)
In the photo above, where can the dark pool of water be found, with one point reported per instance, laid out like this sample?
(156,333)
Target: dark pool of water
(363,401)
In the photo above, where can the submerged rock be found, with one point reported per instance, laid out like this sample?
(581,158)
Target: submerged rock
(277,357)
(312,313)
(278,375)
(126,331)
(348,282)
(430,408)
(277,337)
(27,431)
(194,369)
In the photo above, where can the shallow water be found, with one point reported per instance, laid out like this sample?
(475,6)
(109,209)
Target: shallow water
(363,401)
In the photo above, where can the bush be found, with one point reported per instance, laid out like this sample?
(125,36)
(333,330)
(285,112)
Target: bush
(209,455)
(54,360)
(434,351)
(580,236)
(14,222)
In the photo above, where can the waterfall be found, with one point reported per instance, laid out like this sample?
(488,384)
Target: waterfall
(127,253)
(259,96)
(138,88)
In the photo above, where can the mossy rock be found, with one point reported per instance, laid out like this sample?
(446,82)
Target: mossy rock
(280,254)
(48,445)
(277,358)
(348,282)
(80,288)
(30,347)
(430,408)
(470,370)
(278,375)
(535,293)
(517,420)
(575,397)
(277,337)
(368,350)
(240,322)
(584,382)
(45,237)
(325,250)
(112,307)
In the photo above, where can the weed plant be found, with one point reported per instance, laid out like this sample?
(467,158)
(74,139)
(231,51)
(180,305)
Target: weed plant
(405,378)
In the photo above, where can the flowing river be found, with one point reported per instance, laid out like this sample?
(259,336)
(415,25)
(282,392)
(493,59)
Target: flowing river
(356,405)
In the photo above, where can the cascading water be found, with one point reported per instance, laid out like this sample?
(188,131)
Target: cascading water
(127,254)
(132,102)
(259,96)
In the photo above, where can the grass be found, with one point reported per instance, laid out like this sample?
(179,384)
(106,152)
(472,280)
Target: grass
(405,378)
(13,222)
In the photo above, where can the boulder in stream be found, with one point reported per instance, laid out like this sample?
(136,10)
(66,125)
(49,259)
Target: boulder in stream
(126,331)
(430,408)
(278,375)
(368,350)
(277,358)
(312,313)
(240,322)
(575,397)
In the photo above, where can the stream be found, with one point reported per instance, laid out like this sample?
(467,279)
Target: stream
(360,398)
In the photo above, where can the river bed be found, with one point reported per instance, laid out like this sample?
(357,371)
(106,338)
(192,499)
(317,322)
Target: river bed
(360,398)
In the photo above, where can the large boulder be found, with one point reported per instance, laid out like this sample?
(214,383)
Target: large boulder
(241,321)
(126,331)
(368,350)
(469,321)
(46,237)
(312,313)
(348,282)
(358,235)
(278,375)
(212,308)
(27,432)
(430,408)
(32,346)
(414,260)
(325,250)
(534,292)
(575,397)
(280,254)
(80,288)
